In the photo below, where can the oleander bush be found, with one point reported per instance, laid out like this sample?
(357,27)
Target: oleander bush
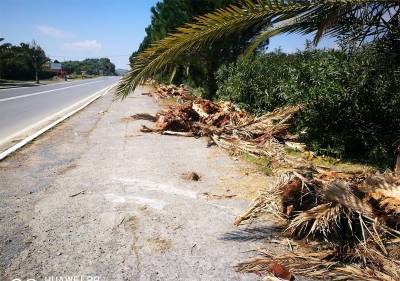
(351,98)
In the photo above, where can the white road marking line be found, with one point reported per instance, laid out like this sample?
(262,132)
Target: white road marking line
(46,85)
(28,139)
(48,91)
(35,87)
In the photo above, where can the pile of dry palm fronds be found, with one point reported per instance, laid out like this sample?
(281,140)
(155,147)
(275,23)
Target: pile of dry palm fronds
(164,91)
(352,221)
(342,226)
(227,126)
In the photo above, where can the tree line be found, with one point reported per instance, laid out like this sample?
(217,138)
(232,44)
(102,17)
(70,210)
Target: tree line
(102,66)
(28,61)
(23,62)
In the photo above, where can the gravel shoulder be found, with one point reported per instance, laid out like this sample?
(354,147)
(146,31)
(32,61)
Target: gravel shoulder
(96,197)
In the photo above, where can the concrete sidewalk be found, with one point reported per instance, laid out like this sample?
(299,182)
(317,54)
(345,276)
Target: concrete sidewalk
(96,197)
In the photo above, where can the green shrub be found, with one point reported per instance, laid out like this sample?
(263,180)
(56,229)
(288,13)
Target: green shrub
(352,101)
(248,82)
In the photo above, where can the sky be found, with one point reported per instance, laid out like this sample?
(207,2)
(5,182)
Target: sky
(79,29)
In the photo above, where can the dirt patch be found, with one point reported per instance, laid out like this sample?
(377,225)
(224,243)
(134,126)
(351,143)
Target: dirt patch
(131,222)
(139,116)
(66,169)
(244,187)
(159,245)
(191,176)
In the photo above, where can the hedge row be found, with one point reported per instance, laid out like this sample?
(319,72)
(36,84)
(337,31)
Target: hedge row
(352,100)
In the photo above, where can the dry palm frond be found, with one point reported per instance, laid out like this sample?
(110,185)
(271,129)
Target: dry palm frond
(323,219)
(390,204)
(268,201)
(384,191)
(387,198)
(228,127)
(359,235)
(319,264)
(382,182)
(236,146)
(340,192)
(273,122)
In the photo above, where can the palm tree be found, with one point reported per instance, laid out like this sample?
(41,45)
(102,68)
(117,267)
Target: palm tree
(371,20)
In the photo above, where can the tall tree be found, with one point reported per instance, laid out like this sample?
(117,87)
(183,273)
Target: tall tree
(35,56)
(5,55)
(373,19)
(167,16)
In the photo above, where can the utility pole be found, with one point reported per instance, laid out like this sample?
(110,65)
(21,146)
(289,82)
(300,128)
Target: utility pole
(65,74)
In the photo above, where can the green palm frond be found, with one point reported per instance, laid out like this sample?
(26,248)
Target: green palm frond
(270,32)
(329,20)
(290,16)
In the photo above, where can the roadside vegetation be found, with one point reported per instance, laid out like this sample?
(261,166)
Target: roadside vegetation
(351,93)
(313,119)
(351,99)
(23,62)
(28,61)
(198,70)
(102,66)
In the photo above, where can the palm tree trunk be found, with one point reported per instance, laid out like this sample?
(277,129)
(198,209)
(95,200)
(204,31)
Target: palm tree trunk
(211,83)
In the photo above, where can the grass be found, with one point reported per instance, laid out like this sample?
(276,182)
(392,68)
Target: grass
(169,101)
(331,162)
(263,164)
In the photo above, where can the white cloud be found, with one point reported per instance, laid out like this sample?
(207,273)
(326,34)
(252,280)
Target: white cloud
(83,45)
(53,32)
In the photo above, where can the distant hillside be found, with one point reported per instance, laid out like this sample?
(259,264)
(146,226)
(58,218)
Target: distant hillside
(121,71)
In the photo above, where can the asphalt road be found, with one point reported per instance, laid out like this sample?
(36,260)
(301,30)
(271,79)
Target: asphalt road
(21,108)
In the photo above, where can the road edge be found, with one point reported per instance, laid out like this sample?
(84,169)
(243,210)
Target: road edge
(86,101)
